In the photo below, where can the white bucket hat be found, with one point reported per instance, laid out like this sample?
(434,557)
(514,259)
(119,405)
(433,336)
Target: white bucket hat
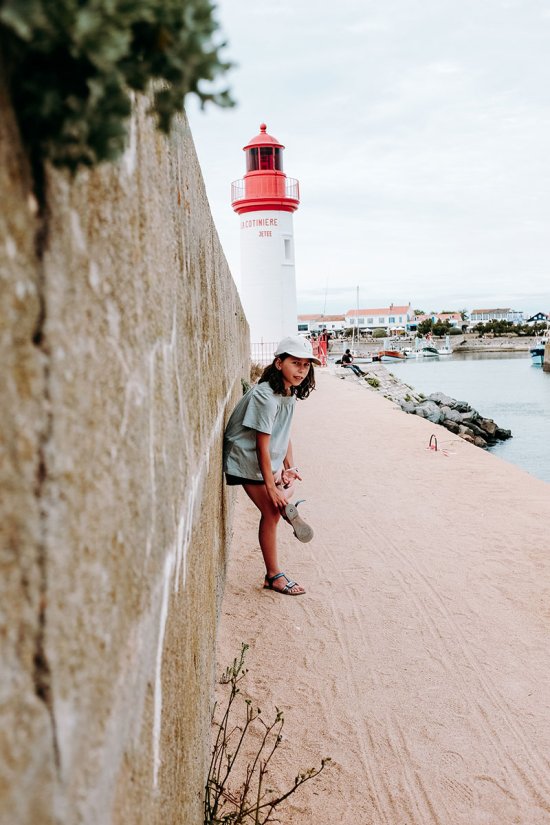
(297,346)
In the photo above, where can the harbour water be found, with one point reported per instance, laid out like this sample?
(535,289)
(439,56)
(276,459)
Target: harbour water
(504,386)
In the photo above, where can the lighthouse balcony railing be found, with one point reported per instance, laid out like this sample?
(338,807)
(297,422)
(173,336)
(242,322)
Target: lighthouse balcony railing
(265,187)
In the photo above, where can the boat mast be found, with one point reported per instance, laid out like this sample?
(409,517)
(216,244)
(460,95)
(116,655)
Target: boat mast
(356,320)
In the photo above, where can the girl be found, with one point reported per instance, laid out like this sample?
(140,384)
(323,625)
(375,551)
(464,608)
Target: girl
(258,451)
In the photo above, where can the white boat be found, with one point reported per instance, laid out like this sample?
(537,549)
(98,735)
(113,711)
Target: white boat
(414,352)
(445,350)
(430,352)
(537,352)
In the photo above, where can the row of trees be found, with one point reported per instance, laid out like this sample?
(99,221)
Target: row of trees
(499,328)
(439,328)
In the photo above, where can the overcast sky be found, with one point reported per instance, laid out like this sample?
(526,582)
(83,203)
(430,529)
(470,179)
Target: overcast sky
(420,134)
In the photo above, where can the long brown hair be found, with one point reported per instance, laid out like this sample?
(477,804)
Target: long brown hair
(274,377)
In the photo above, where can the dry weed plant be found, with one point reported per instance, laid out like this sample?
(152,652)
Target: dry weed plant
(252,802)
(255,372)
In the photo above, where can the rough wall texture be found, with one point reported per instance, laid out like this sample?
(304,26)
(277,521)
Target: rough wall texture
(123,343)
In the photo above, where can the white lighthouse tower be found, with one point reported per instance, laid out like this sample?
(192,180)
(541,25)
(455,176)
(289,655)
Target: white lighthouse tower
(265,200)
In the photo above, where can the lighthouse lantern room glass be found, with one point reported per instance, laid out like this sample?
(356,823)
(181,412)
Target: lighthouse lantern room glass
(264,158)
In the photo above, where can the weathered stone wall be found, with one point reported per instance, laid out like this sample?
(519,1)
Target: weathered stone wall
(123,344)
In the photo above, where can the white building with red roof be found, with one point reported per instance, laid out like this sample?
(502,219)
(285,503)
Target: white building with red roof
(454,318)
(392,317)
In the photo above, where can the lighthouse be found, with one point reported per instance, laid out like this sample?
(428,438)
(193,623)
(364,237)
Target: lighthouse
(265,200)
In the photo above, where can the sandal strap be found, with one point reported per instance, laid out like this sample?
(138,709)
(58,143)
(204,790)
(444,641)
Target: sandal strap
(274,578)
(288,586)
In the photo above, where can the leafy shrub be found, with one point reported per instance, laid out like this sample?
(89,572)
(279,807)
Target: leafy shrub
(379,333)
(374,382)
(72,65)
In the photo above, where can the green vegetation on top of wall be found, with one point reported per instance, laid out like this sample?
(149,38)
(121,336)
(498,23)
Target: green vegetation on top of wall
(72,66)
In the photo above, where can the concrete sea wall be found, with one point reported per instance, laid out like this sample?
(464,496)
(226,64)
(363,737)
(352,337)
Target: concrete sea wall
(123,345)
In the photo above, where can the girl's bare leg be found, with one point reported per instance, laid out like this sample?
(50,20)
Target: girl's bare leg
(267,533)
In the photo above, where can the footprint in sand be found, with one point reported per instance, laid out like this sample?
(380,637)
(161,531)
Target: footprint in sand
(458,795)
(498,806)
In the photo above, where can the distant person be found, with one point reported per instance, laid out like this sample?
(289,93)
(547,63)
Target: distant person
(322,348)
(347,362)
(258,452)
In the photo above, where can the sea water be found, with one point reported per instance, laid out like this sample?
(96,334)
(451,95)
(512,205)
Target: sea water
(506,387)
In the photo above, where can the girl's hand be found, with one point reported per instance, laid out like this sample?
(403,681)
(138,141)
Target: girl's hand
(289,475)
(277,498)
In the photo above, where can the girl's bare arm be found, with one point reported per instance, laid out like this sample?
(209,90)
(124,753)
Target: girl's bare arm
(290,471)
(289,461)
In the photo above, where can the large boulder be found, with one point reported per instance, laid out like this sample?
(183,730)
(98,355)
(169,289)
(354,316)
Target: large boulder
(488,425)
(503,434)
(450,414)
(463,430)
(429,410)
(442,399)
(452,426)
(477,431)
(462,406)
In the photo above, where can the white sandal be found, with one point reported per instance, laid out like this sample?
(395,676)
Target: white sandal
(302,531)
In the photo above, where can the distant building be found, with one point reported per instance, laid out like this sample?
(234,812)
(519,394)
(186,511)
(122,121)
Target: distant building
(454,318)
(482,315)
(317,323)
(392,317)
(537,317)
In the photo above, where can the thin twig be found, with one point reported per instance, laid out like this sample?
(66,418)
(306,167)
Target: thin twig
(248,804)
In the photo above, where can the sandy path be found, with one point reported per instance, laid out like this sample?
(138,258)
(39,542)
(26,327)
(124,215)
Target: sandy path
(419,660)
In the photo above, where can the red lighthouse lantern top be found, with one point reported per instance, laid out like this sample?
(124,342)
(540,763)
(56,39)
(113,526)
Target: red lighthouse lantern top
(264,186)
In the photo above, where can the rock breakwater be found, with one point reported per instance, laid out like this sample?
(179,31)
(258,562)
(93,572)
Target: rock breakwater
(459,417)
